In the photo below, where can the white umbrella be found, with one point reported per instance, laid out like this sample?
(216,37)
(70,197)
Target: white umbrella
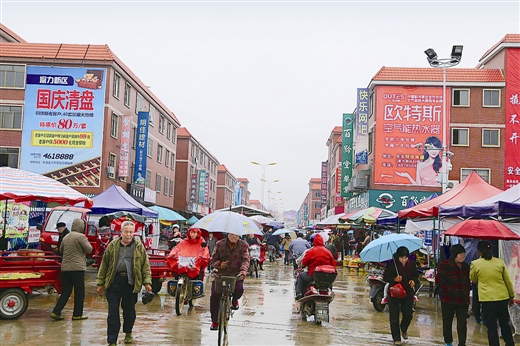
(228,222)
(283,231)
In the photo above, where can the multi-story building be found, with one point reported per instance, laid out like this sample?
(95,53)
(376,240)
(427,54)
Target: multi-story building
(76,108)
(226,183)
(335,203)
(195,176)
(405,128)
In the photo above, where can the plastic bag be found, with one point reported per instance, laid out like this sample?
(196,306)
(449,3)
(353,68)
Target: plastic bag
(398,291)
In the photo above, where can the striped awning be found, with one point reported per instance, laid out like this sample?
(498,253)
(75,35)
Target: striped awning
(23,186)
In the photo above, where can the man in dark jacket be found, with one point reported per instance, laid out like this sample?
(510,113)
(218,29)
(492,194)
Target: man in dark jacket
(61,227)
(316,256)
(453,280)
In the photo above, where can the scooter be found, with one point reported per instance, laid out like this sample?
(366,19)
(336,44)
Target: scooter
(254,258)
(272,253)
(377,288)
(318,295)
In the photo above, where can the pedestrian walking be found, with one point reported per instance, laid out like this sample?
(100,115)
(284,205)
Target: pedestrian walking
(495,292)
(404,272)
(286,241)
(211,241)
(61,227)
(453,281)
(297,247)
(124,270)
(73,248)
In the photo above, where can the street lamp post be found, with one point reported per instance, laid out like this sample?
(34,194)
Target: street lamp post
(444,63)
(269,188)
(263,178)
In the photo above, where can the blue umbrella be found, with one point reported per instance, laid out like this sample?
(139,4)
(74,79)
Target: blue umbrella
(383,249)
(167,214)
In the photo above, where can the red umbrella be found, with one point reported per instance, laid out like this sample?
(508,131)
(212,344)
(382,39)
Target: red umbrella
(482,229)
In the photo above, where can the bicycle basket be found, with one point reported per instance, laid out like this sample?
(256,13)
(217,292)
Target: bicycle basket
(222,281)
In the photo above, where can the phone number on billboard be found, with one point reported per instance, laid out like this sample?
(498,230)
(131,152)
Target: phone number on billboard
(58,156)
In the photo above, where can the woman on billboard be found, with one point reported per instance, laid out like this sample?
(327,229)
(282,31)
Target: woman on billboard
(428,169)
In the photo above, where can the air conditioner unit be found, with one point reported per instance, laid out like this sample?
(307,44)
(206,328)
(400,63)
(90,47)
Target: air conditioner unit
(110,170)
(452,184)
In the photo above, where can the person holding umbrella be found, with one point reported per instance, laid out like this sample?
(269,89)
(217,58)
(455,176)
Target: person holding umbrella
(404,272)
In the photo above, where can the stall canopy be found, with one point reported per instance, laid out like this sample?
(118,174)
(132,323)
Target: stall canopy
(167,214)
(246,210)
(116,199)
(506,203)
(471,190)
(370,215)
(331,220)
(192,220)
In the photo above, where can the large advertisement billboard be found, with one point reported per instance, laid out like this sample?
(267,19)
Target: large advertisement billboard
(512,155)
(63,124)
(408,148)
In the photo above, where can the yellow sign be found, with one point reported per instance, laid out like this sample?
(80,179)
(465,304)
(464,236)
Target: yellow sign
(19,276)
(61,139)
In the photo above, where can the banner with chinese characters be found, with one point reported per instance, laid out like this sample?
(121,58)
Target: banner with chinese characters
(141,150)
(193,187)
(206,190)
(63,124)
(512,150)
(339,199)
(395,200)
(361,133)
(202,185)
(408,133)
(124,146)
(347,153)
(324,167)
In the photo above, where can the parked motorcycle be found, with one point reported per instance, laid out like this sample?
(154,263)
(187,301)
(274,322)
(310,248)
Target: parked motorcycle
(254,258)
(318,295)
(377,288)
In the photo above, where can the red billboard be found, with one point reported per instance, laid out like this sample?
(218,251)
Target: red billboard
(408,146)
(512,155)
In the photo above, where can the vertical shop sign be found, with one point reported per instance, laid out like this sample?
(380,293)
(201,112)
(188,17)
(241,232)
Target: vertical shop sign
(193,187)
(63,124)
(512,150)
(141,149)
(324,167)
(124,146)
(347,141)
(202,185)
(206,190)
(361,133)
(339,199)
(409,133)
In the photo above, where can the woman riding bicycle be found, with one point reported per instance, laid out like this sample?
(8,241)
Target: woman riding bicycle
(189,248)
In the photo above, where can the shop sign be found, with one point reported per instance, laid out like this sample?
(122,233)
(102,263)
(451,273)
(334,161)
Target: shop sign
(361,136)
(512,147)
(324,167)
(141,150)
(358,202)
(347,153)
(395,200)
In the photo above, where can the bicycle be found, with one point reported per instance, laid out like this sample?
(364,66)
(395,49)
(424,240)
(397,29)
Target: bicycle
(186,289)
(224,285)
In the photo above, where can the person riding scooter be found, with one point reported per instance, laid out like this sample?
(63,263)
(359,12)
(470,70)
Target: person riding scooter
(316,256)
(252,239)
(191,247)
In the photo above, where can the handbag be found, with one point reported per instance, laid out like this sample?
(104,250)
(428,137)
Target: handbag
(397,291)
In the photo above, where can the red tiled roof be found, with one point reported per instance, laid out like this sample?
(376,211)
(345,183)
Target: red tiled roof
(95,53)
(183,132)
(315,187)
(245,180)
(11,33)
(222,168)
(339,140)
(436,74)
(509,38)
(337,129)
(315,180)
(254,201)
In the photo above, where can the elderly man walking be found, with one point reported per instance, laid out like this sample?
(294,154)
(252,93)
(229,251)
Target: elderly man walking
(124,270)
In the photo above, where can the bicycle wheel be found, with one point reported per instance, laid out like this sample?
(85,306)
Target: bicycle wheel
(256,268)
(222,321)
(180,296)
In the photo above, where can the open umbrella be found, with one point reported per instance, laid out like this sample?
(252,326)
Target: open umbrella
(283,231)
(192,220)
(482,229)
(382,249)
(228,222)
(167,214)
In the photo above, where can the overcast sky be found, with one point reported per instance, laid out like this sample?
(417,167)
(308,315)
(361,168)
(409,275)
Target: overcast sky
(266,80)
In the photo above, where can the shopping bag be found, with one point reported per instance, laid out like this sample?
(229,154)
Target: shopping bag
(398,291)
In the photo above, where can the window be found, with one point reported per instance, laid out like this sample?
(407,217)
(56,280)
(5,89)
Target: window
(139,104)
(174,134)
(149,148)
(317,205)
(11,117)
(370,141)
(460,98)
(12,76)
(483,172)
(9,157)
(159,153)
(460,137)
(169,130)
(134,137)
(171,187)
(161,124)
(491,98)
(148,182)
(113,125)
(111,165)
(128,91)
(166,186)
(158,181)
(117,81)
(490,137)
(167,158)
(172,165)
(151,117)
(317,216)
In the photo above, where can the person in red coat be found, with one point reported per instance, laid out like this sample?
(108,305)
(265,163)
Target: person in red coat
(315,256)
(189,257)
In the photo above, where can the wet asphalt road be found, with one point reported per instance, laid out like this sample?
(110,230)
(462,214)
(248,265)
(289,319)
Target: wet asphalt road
(267,316)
